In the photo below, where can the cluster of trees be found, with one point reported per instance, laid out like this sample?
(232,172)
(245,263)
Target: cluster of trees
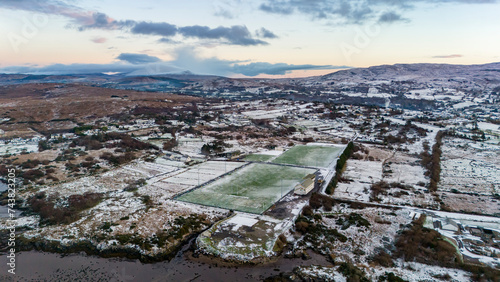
(43,145)
(214,147)
(432,162)
(340,167)
(381,187)
(78,130)
(31,171)
(132,187)
(284,131)
(126,142)
(53,214)
(33,163)
(355,219)
(32,175)
(352,272)
(478,135)
(170,144)
(318,200)
(118,159)
(424,245)
(316,234)
(402,136)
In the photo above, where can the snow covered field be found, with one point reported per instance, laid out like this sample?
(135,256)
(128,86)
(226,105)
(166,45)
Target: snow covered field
(391,167)
(167,186)
(470,166)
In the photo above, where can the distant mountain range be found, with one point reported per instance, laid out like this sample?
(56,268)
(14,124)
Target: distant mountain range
(393,80)
(419,72)
(382,72)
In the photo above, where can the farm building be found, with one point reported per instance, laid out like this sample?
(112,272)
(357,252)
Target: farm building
(306,185)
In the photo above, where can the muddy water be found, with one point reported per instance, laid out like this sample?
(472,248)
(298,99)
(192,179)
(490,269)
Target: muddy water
(39,266)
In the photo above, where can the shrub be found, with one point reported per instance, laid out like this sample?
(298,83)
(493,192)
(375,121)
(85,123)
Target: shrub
(383,259)
(52,214)
(318,200)
(352,273)
(85,201)
(424,245)
(170,144)
(32,174)
(302,226)
(307,211)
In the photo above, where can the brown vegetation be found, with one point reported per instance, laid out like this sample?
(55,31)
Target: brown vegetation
(432,162)
(49,107)
(425,246)
(53,214)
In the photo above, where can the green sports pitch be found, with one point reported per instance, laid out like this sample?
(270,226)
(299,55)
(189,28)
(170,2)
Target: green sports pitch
(313,155)
(253,188)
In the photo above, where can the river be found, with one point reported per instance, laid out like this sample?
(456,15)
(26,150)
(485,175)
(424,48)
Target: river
(42,266)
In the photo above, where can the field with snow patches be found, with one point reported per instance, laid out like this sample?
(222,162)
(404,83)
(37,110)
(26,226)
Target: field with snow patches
(191,146)
(390,167)
(417,146)
(253,188)
(245,236)
(127,216)
(167,186)
(113,180)
(470,167)
(414,271)
(311,155)
(242,237)
(18,149)
(378,231)
(478,204)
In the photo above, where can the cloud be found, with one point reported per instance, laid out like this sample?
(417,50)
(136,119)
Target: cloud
(340,10)
(226,9)
(265,33)
(352,11)
(390,17)
(137,59)
(236,34)
(224,14)
(84,19)
(184,59)
(149,28)
(275,8)
(99,40)
(254,69)
(448,56)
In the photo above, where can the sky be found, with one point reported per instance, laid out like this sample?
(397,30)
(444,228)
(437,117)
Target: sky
(236,38)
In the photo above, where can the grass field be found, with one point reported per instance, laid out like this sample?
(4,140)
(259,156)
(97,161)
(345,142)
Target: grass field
(258,158)
(315,156)
(252,189)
